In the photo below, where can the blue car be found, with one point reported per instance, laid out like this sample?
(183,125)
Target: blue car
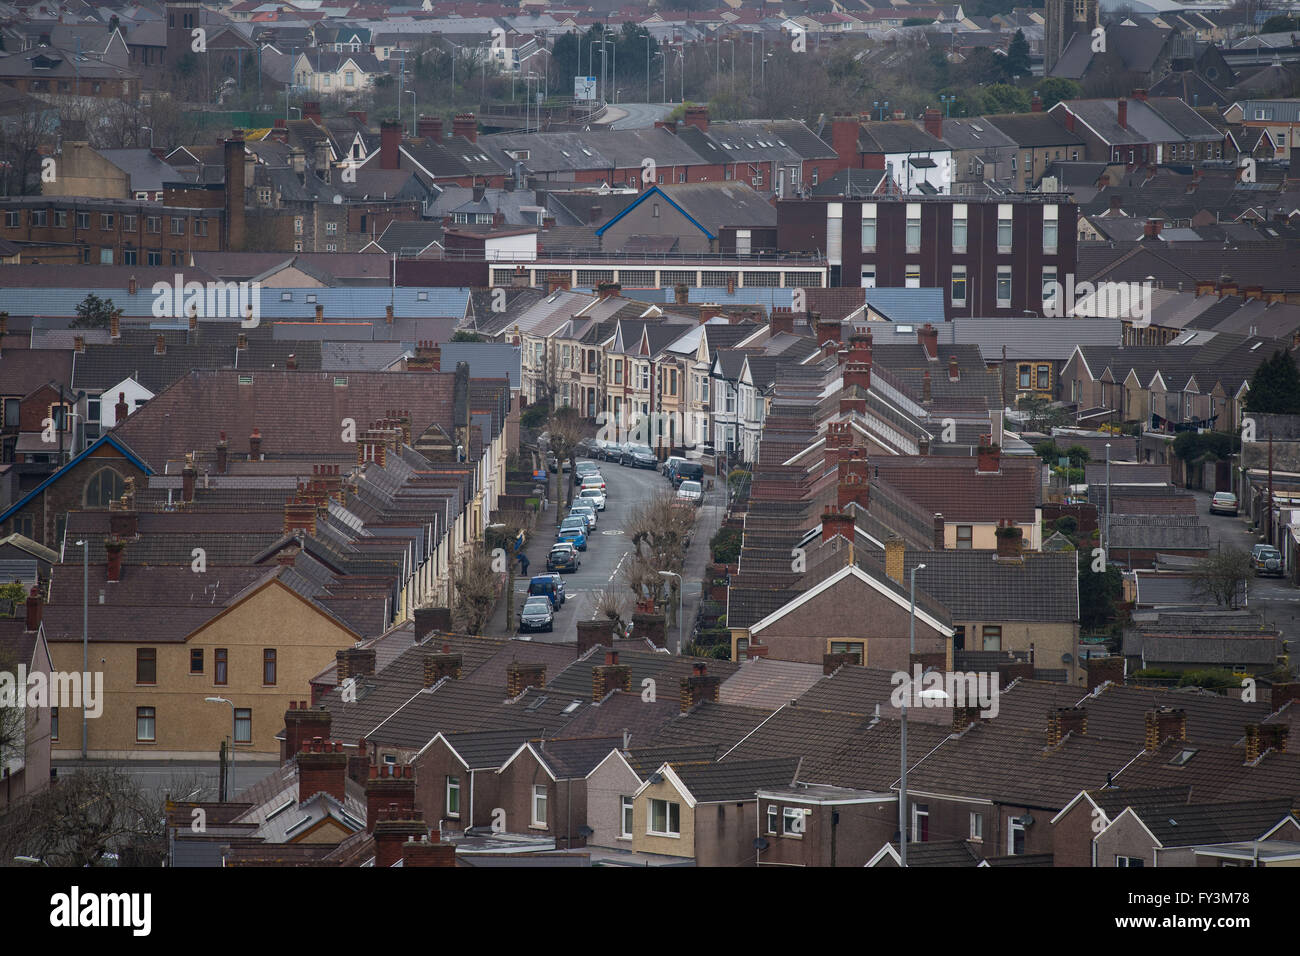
(573,531)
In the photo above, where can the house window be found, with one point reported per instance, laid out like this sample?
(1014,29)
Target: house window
(1050,230)
(54,723)
(912,278)
(297,225)
(106,222)
(349,78)
(453,796)
(959,230)
(83,220)
(146,729)
(1016,838)
(792,821)
(153,258)
(1026,377)
(85,255)
(616,370)
(976,826)
(220,658)
(913,235)
(1128,862)
(13,220)
(200,227)
(1004,287)
(153,224)
(920,823)
(665,819)
(965,537)
(539,805)
(196,660)
(654,210)
(625,818)
(958,285)
(1050,286)
(146,665)
(106,256)
(13,408)
(325,79)
(105,486)
(1044,378)
(243,725)
(268,666)
(848,647)
(178,225)
(130,257)
(1004,227)
(61,218)
(992,637)
(869,227)
(868,277)
(331,228)
(773,817)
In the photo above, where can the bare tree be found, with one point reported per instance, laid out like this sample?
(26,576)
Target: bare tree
(510,523)
(21,136)
(13,723)
(475,584)
(609,604)
(1221,577)
(660,531)
(564,430)
(86,819)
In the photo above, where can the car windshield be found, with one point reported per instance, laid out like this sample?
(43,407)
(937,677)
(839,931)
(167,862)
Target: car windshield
(561,553)
(689,486)
(537,605)
(640,449)
(590,493)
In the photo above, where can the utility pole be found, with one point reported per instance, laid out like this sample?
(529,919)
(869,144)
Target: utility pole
(1270,486)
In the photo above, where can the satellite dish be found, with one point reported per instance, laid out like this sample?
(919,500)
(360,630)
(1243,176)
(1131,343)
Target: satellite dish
(337,199)
(1067,658)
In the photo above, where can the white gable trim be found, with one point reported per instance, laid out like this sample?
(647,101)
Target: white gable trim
(850,569)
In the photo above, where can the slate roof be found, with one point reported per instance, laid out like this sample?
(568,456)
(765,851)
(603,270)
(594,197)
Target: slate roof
(1034,129)
(734,781)
(1215,773)
(1037,339)
(769,683)
(298,413)
(490,749)
(1171,532)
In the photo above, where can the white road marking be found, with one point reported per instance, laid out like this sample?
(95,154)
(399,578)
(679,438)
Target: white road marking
(619,565)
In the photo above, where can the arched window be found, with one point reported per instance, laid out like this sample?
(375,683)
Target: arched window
(105,485)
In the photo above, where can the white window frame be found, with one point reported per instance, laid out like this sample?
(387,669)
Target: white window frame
(453,786)
(668,819)
(977,826)
(1004,275)
(539,799)
(625,817)
(1005,221)
(869,222)
(960,228)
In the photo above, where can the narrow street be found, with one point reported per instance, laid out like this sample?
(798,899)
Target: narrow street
(606,552)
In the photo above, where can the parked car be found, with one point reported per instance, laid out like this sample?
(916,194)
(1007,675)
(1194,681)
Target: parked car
(537,615)
(587,509)
(573,530)
(688,471)
(1266,560)
(551,462)
(607,450)
(563,558)
(638,456)
(585,468)
(593,495)
(1223,503)
(550,586)
(592,481)
(666,469)
(691,491)
(579,516)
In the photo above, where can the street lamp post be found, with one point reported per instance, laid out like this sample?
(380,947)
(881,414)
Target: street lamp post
(223,700)
(84,544)
(150,129)
(902,733)
(413,113)
(674,574)
(1106,550)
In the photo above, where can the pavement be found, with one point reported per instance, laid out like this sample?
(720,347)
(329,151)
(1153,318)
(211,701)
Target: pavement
(607,549)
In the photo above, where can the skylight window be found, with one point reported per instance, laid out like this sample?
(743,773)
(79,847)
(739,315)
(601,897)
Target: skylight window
(1182,757)
(572,707)
(281,808)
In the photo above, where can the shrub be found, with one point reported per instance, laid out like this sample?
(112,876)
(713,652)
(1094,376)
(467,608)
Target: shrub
(725,545)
